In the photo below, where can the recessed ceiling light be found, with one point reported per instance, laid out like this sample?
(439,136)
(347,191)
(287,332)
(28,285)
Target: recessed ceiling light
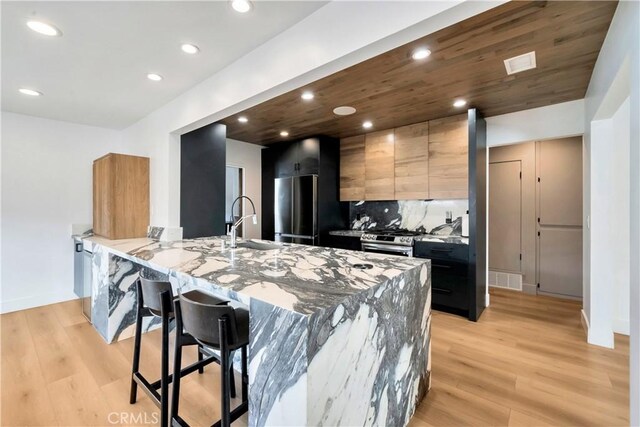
(421,53)
(154,77)
(29,92)
(284,133)
(44,28)
(243,119)
(520,63)
(190,48)
(242,6)
(345,110)
(307,96)
(459,103)
(367,125)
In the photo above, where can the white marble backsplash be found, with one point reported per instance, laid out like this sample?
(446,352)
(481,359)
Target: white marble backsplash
(418,215)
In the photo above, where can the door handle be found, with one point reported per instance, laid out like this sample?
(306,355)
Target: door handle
(441,291)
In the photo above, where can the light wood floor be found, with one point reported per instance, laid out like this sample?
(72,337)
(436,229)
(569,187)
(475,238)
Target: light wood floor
(525,363)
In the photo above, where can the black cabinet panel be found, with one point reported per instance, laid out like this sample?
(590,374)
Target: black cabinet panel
(342,242)
(477,213)
(286,160)
(449,275)
(269,156)
(297,158)
(202,181)
(444,251)
(449,284)
(308,156)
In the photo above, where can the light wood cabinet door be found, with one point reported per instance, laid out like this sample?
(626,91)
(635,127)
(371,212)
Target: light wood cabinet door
(449,158)
(379,166)
(121,196)
(411,145)
(352,168)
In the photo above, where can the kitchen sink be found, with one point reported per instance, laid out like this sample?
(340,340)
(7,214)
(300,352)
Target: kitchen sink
(260,246)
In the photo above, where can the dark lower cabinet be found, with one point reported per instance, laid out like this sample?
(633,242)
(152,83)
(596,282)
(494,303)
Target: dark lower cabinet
(449,285)
(449,275)
(342,242)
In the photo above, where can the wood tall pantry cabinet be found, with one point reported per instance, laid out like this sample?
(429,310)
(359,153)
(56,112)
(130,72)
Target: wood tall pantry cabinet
(427,160)
(121,196)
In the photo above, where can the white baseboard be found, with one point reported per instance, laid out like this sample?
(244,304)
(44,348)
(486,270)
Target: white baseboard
(621,326)
(585,322)
(35,301)
(529,288)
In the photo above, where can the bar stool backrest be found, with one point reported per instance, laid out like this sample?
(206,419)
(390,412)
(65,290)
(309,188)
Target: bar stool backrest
(201,320)
(151,294)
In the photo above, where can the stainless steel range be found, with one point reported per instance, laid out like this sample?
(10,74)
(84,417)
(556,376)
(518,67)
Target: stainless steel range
(395,242)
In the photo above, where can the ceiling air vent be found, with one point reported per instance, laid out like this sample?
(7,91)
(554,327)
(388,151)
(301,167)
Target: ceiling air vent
(520,63)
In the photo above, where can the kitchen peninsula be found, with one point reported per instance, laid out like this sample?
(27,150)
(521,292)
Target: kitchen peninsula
(337,337)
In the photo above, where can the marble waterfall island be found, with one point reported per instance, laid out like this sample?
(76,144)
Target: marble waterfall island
(337,337)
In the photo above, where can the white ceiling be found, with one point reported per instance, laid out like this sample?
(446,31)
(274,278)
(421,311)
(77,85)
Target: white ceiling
(95,74)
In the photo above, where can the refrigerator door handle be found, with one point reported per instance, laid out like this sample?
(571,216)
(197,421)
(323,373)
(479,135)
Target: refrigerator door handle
(297,236)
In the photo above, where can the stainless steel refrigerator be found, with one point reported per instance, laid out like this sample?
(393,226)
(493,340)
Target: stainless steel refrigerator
(296,209)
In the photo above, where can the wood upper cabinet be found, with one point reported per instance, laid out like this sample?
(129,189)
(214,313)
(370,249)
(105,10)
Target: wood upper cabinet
(427,160)
(352,159)
(411,144)
(449,158)
(379,183)
(121,196)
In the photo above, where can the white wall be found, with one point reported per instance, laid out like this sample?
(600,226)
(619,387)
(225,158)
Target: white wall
(536,124)
(598,305)
(248,156)
(616,76)
(620,217)
(297,56)
(46,187)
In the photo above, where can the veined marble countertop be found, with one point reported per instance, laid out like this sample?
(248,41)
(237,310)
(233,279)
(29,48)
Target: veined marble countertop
(347,233)
(304,279)
(422,238)
(458,240)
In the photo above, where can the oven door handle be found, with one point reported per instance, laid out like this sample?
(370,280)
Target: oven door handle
(387,248)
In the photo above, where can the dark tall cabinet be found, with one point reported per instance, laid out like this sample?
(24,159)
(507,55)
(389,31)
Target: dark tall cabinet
(477,213)
(203,181)
(311,156)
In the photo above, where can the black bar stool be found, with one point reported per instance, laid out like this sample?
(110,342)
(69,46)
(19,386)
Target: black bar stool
(217,327)
(155,299)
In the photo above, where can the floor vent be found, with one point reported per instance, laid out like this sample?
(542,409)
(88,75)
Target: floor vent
(505,280)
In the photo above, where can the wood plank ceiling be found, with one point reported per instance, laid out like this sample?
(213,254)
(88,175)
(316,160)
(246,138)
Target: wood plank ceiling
(466,62)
